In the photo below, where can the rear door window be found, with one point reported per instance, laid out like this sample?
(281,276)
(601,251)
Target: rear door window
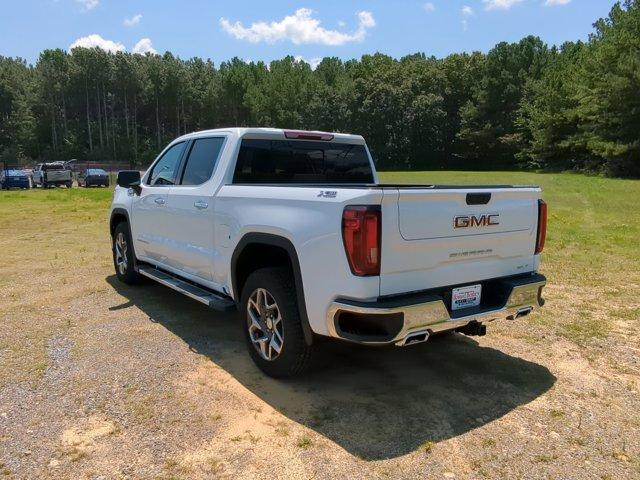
(202,160)
(296,161)
(53,166)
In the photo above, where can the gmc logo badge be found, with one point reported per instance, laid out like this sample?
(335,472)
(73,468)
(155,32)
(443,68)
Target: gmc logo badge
(469,221)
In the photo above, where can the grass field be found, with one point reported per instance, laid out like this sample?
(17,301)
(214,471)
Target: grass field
(99,379)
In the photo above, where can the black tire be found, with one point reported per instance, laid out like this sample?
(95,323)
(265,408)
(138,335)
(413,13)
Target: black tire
(127,274)
(295,354)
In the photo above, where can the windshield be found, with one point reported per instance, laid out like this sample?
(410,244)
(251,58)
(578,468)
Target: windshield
(96,171)
(15,173)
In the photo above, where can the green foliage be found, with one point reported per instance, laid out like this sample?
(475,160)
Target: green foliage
(489,118)
(17,122)
(522,104)
(584,112)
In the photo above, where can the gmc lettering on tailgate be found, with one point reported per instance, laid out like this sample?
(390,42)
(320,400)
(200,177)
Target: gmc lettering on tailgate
(471,221)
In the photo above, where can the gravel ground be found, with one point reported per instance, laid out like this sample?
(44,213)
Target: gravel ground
(101,380)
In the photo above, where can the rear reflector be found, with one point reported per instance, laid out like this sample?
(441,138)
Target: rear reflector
(302,135)
(361,237)
(542,226)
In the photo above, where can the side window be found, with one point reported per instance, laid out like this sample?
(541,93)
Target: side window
(165,170)
(202,160)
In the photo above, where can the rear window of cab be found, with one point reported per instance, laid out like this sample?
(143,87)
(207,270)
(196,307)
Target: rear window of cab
(298,161)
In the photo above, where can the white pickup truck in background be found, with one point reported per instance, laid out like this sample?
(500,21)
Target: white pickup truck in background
(52,174)
(294,229)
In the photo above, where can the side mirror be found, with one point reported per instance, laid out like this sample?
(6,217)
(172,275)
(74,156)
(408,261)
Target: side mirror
(129,179)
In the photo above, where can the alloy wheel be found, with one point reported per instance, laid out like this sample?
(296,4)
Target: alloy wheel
(121,253)
(264,323)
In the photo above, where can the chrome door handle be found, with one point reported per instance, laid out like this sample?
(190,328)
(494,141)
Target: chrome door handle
(159,201)
(200,205)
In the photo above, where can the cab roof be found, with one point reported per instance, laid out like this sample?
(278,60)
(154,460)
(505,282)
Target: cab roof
(279,134)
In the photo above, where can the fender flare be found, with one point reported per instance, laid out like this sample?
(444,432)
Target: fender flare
(118,212)
(287,246)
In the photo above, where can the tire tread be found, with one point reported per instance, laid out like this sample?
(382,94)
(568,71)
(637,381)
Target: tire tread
(279,280)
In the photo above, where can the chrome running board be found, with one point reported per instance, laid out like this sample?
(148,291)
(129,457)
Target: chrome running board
(208,297)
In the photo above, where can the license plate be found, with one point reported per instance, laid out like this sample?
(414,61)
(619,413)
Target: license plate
(465,297)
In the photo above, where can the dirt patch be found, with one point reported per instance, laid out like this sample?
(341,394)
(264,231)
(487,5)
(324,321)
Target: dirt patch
(83,440)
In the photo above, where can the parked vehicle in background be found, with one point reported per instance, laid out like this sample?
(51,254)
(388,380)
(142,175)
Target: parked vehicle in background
(14,179)
(52,174)
(294,230)
(93,177)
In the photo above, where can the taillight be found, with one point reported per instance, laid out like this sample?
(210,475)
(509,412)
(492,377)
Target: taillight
(361,237)
(542,226)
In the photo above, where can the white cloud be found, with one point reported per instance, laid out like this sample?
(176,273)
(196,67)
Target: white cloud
(499,4)
(298,28)
(555,3)
(365,19)
(135,20)
(313,62)
(144,46)
(429,7)
(95,40)
(88,4)
(467,12)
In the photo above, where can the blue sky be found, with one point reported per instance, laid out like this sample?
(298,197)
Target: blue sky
(265,30)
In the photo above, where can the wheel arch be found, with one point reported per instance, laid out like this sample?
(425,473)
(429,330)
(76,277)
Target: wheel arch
(278,249)
(119,215)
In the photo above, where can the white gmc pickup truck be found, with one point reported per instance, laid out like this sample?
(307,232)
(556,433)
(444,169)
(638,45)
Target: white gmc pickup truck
(293,229)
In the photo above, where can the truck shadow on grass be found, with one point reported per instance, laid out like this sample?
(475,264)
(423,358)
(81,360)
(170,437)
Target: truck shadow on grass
(376,403)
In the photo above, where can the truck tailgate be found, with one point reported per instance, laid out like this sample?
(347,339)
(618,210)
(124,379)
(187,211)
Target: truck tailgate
(57,175)
(440,236)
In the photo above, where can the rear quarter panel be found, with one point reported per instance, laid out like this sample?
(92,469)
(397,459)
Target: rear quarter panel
(312,223)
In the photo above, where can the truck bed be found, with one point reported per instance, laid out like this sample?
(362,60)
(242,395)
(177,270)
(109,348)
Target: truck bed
(385,185)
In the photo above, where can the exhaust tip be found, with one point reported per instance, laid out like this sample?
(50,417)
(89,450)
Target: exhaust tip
(415,337)
(523,312)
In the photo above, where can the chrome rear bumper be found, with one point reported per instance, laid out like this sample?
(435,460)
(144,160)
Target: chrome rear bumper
(423,315)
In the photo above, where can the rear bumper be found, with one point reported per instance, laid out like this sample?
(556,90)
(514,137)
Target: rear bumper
(398,320)
(57,181)
(16,184)
(97,182)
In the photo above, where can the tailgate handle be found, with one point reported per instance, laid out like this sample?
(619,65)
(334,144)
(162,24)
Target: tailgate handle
(478,198)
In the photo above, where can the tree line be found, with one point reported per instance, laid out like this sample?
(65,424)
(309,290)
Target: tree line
(520,105)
